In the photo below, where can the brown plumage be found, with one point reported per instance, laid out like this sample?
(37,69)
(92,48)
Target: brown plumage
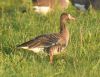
(51,43)
(45,6)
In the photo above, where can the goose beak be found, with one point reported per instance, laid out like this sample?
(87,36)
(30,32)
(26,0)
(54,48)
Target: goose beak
(71,17)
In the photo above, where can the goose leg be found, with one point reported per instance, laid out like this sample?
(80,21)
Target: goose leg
(51,55)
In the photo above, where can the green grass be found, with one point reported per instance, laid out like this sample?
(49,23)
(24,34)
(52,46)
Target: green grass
(82,56)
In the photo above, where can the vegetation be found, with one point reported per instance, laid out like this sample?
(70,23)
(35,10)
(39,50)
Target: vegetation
(80,59)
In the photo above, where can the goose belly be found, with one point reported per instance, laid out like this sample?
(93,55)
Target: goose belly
(42,9)
(35,50)
(44,50)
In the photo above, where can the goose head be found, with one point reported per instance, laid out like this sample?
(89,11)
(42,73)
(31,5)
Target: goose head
(65,17)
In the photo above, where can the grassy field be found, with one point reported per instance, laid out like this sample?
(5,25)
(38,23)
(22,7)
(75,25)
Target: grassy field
(82,56)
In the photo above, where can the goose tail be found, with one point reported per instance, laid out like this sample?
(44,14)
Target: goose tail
(21,46)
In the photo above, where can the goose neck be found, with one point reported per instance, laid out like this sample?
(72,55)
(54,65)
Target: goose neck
(62,27)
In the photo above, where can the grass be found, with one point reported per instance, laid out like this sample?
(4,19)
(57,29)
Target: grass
(82,56)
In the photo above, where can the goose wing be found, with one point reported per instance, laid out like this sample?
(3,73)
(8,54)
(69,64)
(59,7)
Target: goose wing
(42,41)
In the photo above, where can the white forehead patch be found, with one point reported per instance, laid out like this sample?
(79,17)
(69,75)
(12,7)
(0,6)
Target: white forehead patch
(69,15)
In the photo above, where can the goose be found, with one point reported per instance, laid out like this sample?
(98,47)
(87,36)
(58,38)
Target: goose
(95,4)
(81,5)
(53,43)
(45,6)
